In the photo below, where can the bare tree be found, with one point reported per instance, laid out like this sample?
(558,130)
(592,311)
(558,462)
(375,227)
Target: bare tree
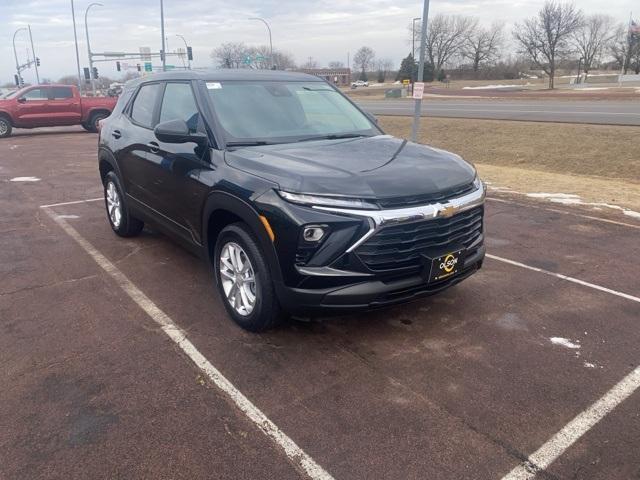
(363,59)
(592,37)
(625,49)
(482,45)
(230,54)
(545,37)
(383,66)
(259,58)
(446,37)
(336,64)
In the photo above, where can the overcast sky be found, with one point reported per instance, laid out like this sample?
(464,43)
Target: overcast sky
(323,29)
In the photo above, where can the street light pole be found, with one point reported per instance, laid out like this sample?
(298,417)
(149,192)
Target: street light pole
(418,104)
(33,52)
(270,41)
(75,37)
(186,47)
(15,52)
(86,29)
(164,52)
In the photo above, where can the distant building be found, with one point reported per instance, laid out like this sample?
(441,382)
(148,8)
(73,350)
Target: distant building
(337,76)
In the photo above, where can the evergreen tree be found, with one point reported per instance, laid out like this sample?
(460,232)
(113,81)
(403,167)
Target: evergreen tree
(407,68)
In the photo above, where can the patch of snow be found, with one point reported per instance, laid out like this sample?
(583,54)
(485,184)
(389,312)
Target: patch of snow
(68,216)
(494,87)
(589,365)
(25,179)
(572,199)
(593,88)
(565,342)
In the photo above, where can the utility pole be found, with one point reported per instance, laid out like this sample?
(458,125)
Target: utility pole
(35,59)
(75,37)
(270,41)
(15,53)
(164,52)
(86,29)
(413,38)
(418,102)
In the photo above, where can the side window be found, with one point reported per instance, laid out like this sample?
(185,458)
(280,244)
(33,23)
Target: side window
(178,104)
(144,105)
(62,93)
(37,94)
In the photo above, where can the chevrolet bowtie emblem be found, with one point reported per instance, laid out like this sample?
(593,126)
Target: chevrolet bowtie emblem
(448,211)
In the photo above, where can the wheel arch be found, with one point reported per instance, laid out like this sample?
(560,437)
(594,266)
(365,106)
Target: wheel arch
(107,163)
(7,116)
(222,209)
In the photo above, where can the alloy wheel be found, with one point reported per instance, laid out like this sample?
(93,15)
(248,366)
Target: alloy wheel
(238,278)
(114,207)
(4,128)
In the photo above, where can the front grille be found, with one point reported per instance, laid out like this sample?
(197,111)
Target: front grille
(440,196)
(401,246)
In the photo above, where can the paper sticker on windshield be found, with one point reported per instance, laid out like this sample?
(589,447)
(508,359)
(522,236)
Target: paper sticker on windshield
(214,85)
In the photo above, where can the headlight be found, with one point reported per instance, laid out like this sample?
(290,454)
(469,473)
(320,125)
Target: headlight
(321,200)
(478,183)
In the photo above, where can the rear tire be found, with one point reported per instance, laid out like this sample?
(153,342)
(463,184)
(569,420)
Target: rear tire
(86,126)
(251,304)
(5,127)
(121,221)
(92,124)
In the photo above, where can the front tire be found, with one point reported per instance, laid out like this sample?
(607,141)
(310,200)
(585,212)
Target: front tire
(244,281)
(5,127)
(120,219)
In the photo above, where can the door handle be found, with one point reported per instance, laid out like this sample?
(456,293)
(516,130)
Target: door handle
(116,134)
(153,147)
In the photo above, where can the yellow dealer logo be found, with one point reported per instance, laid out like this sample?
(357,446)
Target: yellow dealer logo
(449,263)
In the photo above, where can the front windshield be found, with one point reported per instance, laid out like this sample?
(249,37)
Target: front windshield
(279,112)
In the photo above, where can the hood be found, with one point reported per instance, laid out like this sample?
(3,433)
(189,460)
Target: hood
(373,167)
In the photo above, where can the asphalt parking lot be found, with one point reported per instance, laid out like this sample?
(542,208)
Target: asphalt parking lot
(119,361)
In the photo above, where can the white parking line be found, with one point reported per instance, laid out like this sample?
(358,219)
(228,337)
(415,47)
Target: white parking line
(576,428)
(75,202)
(291,450)
(565,277)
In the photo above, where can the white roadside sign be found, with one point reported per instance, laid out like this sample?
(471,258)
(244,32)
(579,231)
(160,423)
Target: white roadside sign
(418,90)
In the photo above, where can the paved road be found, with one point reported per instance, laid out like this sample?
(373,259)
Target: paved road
(463,385)
(600,112)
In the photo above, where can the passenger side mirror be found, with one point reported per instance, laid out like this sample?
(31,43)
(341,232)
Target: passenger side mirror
(22,100)
(177,131)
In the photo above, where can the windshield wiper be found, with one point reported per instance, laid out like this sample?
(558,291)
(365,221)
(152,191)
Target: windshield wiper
(334,136)
(250,143)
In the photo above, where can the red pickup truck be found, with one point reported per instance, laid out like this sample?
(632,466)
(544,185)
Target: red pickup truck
(52,106)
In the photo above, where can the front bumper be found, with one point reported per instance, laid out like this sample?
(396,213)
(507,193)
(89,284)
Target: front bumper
(374,293)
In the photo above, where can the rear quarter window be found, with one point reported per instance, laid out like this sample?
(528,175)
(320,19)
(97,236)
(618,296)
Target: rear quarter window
(144,105)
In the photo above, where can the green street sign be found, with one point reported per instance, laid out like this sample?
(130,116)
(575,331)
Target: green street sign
(148,67)
(247,60)
(170,67)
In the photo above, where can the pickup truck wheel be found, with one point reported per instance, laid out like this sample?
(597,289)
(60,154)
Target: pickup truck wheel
(92,124)
(121,221)
(244,281)
(86,126)
(5,127)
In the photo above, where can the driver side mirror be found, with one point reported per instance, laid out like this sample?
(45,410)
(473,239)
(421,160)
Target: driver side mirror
(22,100)
(177,131)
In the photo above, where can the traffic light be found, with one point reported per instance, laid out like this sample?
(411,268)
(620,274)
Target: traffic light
(17,80)
(190,53)
(138,67)
(37,62)
(95,73)
(87,74)
(118,66)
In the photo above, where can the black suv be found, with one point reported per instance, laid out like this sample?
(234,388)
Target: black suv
(293,195)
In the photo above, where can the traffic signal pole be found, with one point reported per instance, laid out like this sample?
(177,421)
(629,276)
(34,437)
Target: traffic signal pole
(35,59)
(86,29)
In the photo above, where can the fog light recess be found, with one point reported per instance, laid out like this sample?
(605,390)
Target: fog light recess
(313,233)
